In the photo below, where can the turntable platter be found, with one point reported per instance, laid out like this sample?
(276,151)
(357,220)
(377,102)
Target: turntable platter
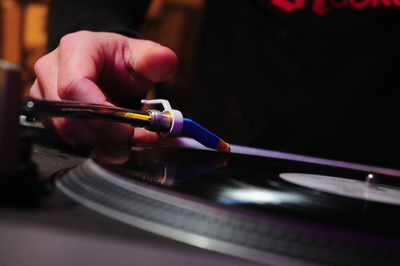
(246,206)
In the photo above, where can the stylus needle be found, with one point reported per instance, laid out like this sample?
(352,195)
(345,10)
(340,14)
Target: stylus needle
(169,122)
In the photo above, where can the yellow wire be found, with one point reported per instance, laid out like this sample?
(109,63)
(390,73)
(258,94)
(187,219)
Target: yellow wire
(137,116)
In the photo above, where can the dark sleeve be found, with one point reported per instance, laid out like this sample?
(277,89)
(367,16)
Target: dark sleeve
(119,16)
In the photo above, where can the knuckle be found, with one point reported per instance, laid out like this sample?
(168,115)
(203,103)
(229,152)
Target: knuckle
(40,65)
(67,39)
(68,91)
(71,39)
(34,90)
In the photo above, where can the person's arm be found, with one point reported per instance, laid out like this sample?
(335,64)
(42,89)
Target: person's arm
(98,67)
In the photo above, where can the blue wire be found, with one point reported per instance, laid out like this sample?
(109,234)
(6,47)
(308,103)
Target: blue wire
(199,133)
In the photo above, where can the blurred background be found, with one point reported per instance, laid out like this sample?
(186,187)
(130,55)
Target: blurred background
(174,23)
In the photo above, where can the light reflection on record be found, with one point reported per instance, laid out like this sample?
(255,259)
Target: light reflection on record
(364,190)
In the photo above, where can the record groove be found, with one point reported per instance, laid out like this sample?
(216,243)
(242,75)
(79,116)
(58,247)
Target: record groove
(221,228)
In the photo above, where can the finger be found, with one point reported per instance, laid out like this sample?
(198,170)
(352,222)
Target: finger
(92,132)
(45,87)
(80,64)
(151,60)
(85,91)
(116,133)
(80,133)
(98,57)
(143,136)
(34,91)
(46,70)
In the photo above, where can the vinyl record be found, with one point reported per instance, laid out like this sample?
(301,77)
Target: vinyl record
(265,209)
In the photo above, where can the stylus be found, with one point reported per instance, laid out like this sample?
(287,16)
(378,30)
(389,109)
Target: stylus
(204,136)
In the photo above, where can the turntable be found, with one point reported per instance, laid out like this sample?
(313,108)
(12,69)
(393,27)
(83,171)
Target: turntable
(183,204)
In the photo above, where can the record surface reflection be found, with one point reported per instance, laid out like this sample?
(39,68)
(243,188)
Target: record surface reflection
(259,208)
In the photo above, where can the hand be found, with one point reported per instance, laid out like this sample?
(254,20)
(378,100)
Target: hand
(100,68)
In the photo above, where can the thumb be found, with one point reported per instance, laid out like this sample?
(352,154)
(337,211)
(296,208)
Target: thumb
(152,61)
